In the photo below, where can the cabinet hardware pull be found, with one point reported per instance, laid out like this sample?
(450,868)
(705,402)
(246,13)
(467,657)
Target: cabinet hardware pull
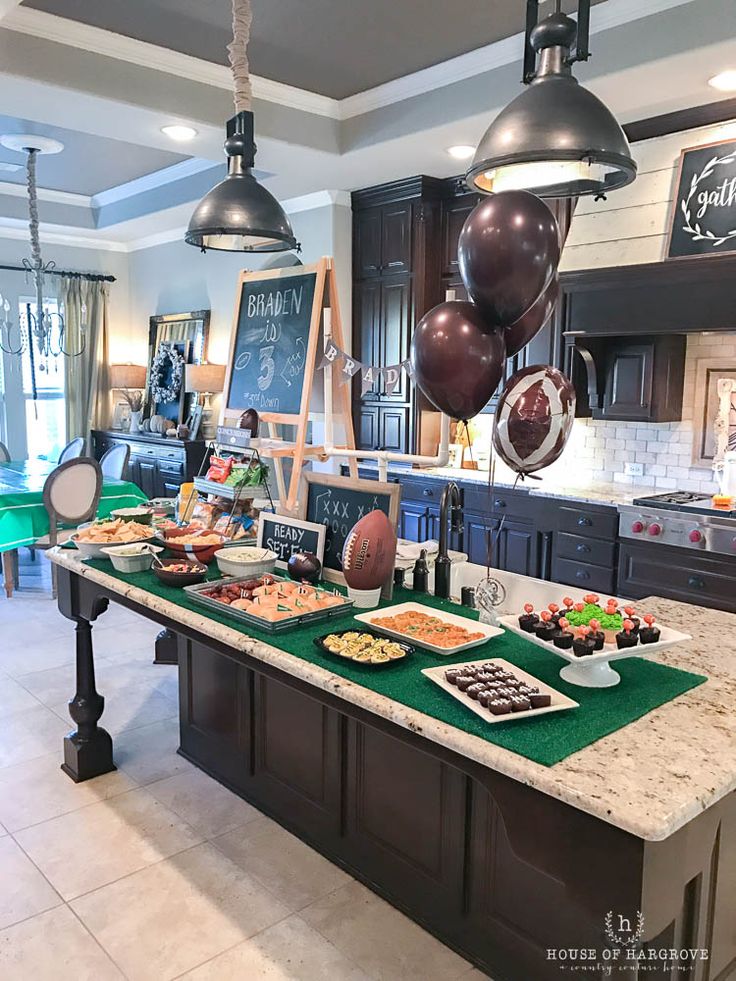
(499,504)
(428,492)
(582,574)
(582,548)
(585,522)
(695,582)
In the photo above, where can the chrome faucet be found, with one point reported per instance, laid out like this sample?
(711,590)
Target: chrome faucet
(451,511)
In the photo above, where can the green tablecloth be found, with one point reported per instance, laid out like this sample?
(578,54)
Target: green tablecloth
(546,739)
(23,518)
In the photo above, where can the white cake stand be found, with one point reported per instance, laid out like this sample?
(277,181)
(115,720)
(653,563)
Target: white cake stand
(595,671)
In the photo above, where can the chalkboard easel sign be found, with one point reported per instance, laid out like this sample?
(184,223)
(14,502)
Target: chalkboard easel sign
(703,219)
(338,503)
(285,535)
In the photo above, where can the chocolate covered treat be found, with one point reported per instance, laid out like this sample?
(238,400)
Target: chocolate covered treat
(499,706)
(563,637)
(554,609)
(539,700)
(583,645)
(626,637)
(596,635)
(649,634)
(630,611)
(546,629)
(520,703)
(528,619)
(453,674)
(464,682)
(474,690)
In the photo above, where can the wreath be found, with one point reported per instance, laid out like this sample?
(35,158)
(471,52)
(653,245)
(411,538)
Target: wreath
(694,229)
(167,360)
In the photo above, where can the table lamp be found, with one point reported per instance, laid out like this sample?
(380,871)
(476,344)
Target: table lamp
(207,380)
(130,380)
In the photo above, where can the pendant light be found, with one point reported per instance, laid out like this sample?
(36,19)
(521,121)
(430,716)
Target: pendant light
(556,139)
(238,214)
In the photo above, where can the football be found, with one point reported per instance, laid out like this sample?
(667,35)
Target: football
(369,552)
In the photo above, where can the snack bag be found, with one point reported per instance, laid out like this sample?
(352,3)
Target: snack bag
(220,468)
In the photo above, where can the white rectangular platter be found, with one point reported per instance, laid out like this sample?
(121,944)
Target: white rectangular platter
(559,701)
(390,611)
(668,637)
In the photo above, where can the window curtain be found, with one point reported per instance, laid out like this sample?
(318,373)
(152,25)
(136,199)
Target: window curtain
(87,398)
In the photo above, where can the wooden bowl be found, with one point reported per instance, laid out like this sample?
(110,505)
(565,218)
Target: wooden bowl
(197,573)
(190,550)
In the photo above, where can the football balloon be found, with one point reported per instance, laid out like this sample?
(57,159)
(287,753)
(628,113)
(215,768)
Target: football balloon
(369,552)
(533,419)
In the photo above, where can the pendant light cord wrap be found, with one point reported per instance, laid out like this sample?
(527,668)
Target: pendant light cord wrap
(238,54)
(33,209)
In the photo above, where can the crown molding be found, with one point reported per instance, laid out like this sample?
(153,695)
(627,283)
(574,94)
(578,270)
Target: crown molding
(149,182)
(14,228)
(46,194)
(73,33)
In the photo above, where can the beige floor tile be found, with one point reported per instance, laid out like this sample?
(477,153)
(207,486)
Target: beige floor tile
(23,890)
(293,871)
(177,914)
(288,951)
(38,790)
(129,707)
(53,947)
(14,697)
(203,803)
(88,848)
(384,942)
(30,733)
(38,653)
(150,753)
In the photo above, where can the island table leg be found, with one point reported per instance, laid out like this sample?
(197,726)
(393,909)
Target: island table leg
(87,750)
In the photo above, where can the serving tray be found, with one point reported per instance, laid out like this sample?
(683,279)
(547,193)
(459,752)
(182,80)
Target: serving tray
(559,702)
(320,642)
(475,626)
(195,593)
(594,670)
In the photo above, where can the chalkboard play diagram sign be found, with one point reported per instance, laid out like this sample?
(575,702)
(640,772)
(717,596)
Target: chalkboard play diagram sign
(285,535)
(338,503)
(703,218)
(271,340)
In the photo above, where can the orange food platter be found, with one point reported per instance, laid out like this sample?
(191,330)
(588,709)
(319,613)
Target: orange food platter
(434,630)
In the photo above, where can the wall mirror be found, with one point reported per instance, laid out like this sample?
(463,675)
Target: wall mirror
(187,332)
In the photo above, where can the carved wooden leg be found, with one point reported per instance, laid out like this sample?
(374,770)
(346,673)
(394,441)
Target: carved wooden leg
(87,750)
(8,573)
(166,648)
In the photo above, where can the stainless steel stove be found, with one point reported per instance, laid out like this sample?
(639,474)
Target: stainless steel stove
(681,518)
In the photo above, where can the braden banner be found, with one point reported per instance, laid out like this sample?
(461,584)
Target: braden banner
(347,367)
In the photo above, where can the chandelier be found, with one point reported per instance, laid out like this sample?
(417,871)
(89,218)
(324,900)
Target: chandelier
(45,331)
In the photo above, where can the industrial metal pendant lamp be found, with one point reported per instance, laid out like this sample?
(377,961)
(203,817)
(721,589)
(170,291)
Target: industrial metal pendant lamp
(238,214)
(556,138)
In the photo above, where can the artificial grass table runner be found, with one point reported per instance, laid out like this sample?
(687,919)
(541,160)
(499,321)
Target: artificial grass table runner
(547,739)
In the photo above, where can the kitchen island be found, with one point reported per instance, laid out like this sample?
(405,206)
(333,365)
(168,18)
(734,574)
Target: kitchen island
(513,863)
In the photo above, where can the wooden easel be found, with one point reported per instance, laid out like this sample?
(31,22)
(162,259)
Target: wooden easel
(275,447)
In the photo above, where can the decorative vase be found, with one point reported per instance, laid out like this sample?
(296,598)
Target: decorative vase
(135,421)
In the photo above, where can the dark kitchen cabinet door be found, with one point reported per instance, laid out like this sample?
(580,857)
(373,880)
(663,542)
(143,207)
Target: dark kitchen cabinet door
(396,223)
(366,330)
(517,548)
(393,333)
(366,428)
(629,378)
(367,243)
(146,476)
(393,428)
(479,539)
(413,521)
(454,213)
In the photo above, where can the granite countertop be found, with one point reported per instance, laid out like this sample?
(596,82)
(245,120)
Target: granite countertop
(601,493)
(650,778)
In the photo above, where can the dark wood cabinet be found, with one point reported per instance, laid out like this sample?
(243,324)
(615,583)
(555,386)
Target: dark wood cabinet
(454,213)
(158,465)
(366,312)
(396,236)
(367,239)
(393,334)
(703,579)
(643,379)
(393,428)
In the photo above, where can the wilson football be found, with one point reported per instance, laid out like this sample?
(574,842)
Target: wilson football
(369,552)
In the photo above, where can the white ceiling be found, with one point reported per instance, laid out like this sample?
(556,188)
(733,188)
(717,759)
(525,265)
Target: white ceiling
(648,58)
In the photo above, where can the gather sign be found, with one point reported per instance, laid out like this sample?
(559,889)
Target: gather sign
(703,218)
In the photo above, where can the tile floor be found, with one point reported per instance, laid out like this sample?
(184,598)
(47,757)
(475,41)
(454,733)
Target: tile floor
(156,871)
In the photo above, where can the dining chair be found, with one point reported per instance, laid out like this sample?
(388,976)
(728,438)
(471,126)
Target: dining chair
(71,495)
(114,462)
(72,450)
(4,453)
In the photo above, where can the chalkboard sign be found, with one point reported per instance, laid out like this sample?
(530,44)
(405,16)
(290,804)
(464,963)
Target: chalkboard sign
(338,503)
(703,220)
(285,535)
(276,315)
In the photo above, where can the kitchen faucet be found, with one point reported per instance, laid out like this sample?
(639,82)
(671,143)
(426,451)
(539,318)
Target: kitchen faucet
(450,510)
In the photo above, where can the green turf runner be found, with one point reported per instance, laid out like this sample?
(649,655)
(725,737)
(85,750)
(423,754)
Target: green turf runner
(546,739)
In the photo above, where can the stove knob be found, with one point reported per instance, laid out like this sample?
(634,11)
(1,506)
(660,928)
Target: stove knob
(637,527)
(695,536)
(655,529)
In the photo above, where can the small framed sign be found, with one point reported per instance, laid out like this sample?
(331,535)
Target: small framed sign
(285,535)
(703,219)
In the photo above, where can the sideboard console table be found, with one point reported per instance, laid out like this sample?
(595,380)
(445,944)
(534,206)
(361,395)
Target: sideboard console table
(158,465)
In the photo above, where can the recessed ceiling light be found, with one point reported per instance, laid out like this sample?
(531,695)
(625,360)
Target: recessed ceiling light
(182,134)
(724,81)
(461,152)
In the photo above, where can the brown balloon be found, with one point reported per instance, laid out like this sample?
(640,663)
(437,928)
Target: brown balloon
(508,251)
(456,359)
(520,333)
(533,419)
